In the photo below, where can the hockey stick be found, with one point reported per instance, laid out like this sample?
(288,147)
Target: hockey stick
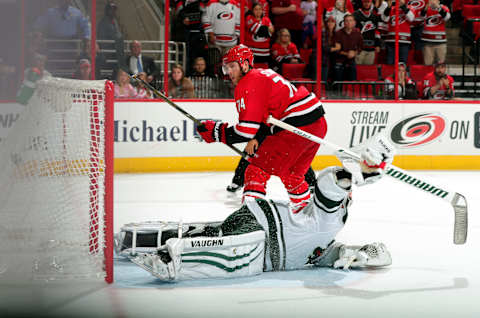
(457,200)
(166,99)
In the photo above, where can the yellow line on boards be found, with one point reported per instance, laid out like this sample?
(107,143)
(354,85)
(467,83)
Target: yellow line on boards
(228,163)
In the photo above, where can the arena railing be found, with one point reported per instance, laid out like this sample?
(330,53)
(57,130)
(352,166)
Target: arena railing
(63,54)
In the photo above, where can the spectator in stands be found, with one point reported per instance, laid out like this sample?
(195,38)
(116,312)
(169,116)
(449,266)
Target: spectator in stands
(438,84)
(284,50)
(63,22)
(382,28)
(263,3)
(309,8)
(348,43)
(259,30)
(31,75)
(84,70)
(327,4)
(405,18)
(137,62)
(406,86)
(221,24)
(179,86)
(100,60)
(367,21)
(200,68)
(189,13)
(416,28)
(434,35)
(222,30)
(123,88)
(109,29)
(142,91)
(328,55)
(339,12)
(288,14)
(36,45)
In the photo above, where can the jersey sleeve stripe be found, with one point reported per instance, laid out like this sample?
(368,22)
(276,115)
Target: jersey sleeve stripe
(303,111)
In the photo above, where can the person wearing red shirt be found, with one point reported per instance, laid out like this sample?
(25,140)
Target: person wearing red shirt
(284,51)
(260,93)
(288,14)
(434,34)
(259,30)
(438,84)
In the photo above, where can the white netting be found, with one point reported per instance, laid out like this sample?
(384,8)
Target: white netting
(52,185)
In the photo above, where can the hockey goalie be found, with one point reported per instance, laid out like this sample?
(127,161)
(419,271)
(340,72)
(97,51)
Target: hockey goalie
(265,235)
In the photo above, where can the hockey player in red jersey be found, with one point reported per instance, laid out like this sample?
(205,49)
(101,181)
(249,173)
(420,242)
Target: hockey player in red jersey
(258,94)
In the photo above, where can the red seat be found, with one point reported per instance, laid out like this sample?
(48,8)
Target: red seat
(471,11)
(367,72)
(305,55)
(260,65)
(476,30)
(292,71)
(387,70)
(418,72)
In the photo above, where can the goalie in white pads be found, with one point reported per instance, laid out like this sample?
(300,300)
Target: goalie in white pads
(264,235)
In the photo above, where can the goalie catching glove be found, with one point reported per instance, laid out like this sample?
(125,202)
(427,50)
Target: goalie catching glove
(213,131)
(376,154)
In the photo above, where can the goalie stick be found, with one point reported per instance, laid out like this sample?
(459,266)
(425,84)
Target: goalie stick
(458,201)
(184,112)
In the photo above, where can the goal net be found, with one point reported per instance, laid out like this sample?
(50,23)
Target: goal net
(56,185)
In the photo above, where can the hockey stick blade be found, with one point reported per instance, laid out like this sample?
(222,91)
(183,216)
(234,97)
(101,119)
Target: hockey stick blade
(458,201)
(171,103)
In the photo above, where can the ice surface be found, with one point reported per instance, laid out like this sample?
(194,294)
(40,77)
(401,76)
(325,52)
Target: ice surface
(429,277)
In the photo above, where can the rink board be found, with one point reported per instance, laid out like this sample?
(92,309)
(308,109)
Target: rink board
(153,136)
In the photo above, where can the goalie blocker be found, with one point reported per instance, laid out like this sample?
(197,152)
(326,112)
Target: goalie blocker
(260,236)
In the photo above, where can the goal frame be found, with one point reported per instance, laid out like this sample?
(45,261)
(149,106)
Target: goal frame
(109,171)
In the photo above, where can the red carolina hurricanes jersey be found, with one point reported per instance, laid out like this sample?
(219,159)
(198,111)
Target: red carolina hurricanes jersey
(404,21)
(434,27)
(259,45)
(263,92)
(430,81)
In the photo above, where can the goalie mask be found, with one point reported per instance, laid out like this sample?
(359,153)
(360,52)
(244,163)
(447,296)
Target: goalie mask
(238,53)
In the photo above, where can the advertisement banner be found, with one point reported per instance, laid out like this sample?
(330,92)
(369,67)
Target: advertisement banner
(9,114)
(158,130)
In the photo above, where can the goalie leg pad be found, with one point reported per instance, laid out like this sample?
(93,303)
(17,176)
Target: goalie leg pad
(207,257)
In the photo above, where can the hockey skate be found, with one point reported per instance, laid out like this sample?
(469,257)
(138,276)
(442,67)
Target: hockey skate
(233,187)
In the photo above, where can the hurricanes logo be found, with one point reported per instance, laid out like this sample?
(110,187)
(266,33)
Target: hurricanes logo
(416,4)
(368,26)
(401,19)
(225,15)
(418,130)
(434,20)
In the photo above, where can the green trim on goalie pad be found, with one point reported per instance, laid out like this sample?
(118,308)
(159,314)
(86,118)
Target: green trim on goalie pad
(239,222)
(329,204)
(218,255)
(272,234)
(220,265)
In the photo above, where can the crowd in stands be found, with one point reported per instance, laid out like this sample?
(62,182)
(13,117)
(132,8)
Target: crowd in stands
(281,34)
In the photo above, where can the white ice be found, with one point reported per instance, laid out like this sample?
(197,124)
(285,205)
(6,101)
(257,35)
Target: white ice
(429,277)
